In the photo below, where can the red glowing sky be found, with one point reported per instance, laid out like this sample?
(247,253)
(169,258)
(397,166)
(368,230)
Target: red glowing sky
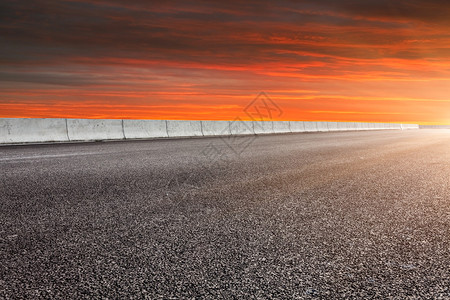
(380,61)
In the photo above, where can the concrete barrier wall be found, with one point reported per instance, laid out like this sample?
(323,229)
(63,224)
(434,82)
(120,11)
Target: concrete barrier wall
(212,128)
(88,129)
(32,131)
(144,129)
(322,126)
(281,127)
(184,128)
(310,126)
(297,126)
(63,130)
(238,127)
(434,126)
(410,126)
(356,126)
(263,127)
(341,126)
(349,126)
(332,126)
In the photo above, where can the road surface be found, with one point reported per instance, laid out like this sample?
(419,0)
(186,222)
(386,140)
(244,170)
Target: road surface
(295,216)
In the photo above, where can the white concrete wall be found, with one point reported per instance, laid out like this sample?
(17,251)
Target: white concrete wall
(310,126)
(410,126)
(332,126)
(144,129)
(352,126)
(322,126)
(263,127)
(91,130)
(182,128)
(32,131)
(212,128)
(238,127)
(347,126)
(341,126)
(63,130)
(297,126)
(434,126)
(281,127)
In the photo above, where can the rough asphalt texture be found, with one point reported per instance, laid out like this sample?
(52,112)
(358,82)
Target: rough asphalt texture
(299,216)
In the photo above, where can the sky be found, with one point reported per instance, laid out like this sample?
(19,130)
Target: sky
(327,60)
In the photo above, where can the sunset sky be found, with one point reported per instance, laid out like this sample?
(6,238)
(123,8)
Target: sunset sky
(366,60)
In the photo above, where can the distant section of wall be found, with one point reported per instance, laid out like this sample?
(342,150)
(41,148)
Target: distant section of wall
(214,128)
(353,126)
(410,126)
(341,126)
(263,127)
(16,131)
(32,131)
(297,126)
(144,129)
(310,126)
(434,126)
(332,126)
(238,127)
(322,126)
(184,128)
(90,129)
(281,127)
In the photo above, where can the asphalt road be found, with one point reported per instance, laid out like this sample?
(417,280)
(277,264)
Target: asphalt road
(299,216)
